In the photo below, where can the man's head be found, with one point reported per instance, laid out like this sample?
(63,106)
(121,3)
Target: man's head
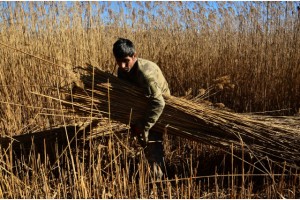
(125,54)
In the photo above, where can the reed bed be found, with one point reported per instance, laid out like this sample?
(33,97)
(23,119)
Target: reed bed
(255,43)
(104,94)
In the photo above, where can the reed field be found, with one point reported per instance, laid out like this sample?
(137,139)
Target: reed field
(255,45)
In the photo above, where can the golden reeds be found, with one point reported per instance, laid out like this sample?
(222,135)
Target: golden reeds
(256,43)
(121,101)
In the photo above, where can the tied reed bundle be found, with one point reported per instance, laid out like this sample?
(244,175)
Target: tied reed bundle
(104,94)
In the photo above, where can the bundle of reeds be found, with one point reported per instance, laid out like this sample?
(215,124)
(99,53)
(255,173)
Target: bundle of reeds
(104,94)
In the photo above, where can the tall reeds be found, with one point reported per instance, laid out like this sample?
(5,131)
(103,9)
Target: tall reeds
(255,43)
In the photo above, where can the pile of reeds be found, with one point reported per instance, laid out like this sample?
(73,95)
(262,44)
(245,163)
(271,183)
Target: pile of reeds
(103,94)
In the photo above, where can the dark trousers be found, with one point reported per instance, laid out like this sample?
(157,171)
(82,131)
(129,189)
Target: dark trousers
(154,153)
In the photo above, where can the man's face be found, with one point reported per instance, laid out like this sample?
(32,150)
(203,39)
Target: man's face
(126,63)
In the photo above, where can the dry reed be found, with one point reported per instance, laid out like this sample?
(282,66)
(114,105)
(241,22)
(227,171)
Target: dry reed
(121,101)
(255,43)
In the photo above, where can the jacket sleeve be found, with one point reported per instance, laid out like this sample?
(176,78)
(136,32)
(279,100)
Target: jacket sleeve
(156,103)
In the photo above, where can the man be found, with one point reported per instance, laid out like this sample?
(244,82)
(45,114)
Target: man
(148,76)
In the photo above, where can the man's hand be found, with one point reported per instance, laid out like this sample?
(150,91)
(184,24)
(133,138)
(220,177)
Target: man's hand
(139,133)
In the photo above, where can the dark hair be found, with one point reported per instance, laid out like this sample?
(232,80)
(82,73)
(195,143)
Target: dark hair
(123,48)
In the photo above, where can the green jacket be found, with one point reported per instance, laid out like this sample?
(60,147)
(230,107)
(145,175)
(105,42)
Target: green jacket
(149,77)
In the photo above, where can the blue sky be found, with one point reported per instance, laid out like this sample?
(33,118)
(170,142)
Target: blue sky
(117,6)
